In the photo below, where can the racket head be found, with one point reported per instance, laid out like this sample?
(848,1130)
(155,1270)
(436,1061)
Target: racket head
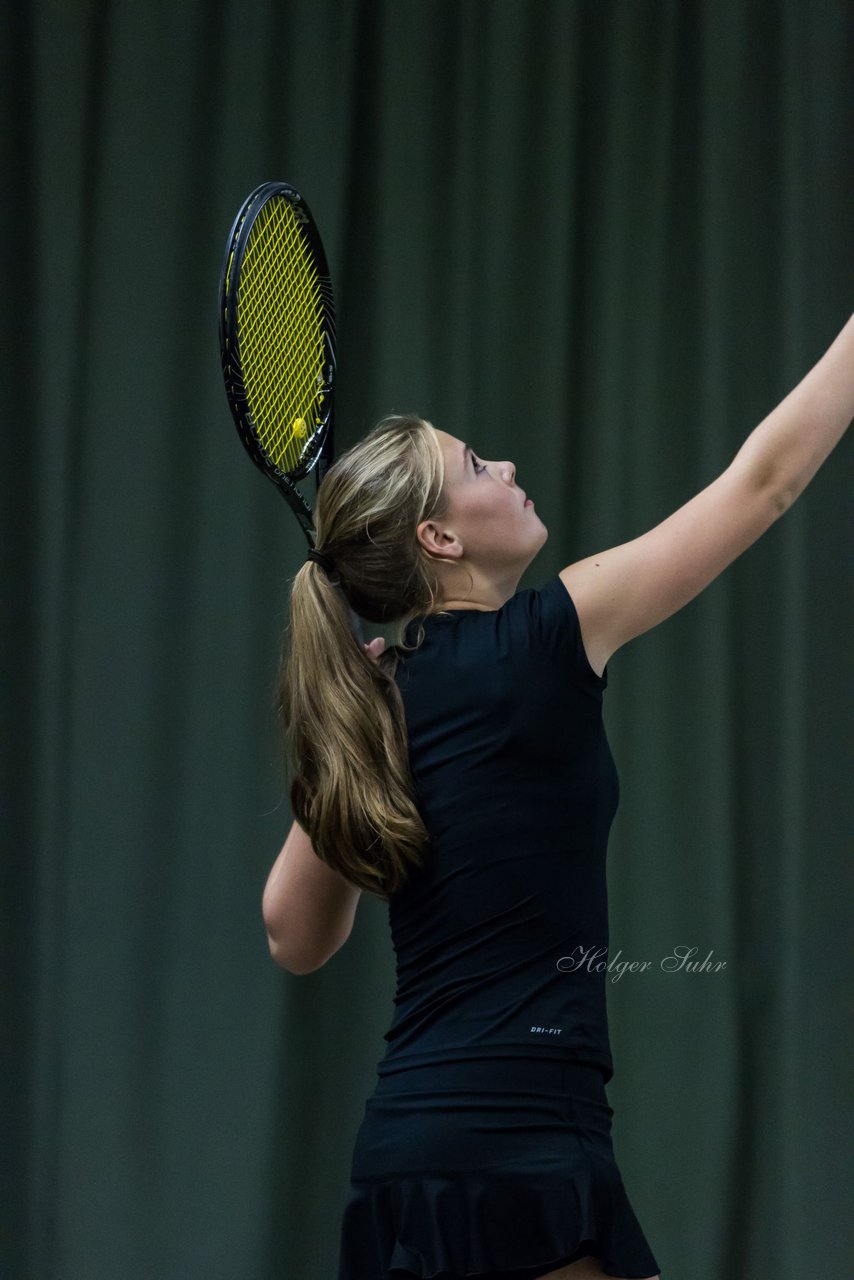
(277,338)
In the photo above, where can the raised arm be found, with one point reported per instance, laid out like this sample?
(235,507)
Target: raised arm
(624,591)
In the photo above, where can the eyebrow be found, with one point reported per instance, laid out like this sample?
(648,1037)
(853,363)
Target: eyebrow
(466,450)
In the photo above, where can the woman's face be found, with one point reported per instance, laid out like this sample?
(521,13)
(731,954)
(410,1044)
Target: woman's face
(487,530)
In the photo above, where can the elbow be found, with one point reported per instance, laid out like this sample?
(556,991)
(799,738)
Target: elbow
(779,500)
(278,952)
(782,499)
(777,492)
(771,479)
(295,964)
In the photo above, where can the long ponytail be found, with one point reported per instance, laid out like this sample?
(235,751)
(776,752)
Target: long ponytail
(342,714)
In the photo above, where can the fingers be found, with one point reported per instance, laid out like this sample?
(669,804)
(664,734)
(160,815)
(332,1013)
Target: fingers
(374,647)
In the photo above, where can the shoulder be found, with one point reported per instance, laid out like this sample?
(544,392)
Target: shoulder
(549,616)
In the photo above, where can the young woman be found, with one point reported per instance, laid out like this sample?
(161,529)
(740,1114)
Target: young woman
(464,776)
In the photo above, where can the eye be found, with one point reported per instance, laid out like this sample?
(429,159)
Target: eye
(478,466)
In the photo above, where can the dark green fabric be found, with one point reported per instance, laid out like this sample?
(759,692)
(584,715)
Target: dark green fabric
(603,239)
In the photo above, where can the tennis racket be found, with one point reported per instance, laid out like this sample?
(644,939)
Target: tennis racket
(277,341)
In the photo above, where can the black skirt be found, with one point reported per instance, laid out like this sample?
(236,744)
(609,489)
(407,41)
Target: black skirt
(501,1169)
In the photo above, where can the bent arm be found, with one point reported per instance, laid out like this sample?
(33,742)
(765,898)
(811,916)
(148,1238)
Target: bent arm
(626,590)
(308,908)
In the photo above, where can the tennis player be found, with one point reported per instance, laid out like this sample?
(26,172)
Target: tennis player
(464,776)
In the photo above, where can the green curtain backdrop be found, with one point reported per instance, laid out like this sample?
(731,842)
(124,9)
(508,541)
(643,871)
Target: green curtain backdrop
(602,239)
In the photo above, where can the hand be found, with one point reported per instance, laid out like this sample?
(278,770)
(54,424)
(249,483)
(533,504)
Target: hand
(374,648)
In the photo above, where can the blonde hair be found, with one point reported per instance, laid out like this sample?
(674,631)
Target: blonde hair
(342,714)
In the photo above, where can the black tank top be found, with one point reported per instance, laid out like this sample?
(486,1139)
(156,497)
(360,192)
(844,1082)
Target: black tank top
(501,940)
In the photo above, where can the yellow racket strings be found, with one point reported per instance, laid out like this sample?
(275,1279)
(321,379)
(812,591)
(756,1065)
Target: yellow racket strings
(281,334)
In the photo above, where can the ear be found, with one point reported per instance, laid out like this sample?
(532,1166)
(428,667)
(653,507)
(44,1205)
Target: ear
(440,544)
